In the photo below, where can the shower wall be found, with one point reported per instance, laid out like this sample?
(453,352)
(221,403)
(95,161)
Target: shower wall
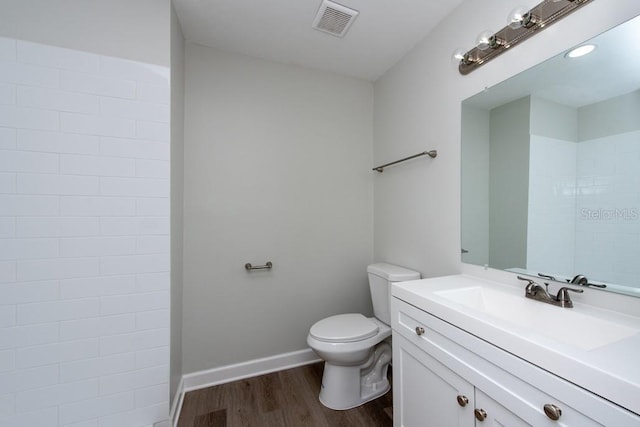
(607,216)
(84,238)
(584,197)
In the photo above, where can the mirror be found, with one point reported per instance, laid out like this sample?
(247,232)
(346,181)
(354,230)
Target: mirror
(551,167)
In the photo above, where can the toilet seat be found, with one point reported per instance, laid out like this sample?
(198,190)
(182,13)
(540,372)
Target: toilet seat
(344,328)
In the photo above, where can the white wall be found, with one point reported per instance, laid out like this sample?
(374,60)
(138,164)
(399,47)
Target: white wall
(177,199)
(417,207)
(137,30)
(84,238)
(277,168)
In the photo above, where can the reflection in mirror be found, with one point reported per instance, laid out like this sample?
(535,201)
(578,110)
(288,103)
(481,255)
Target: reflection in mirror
(551,167)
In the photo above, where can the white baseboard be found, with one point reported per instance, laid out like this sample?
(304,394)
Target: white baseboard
(251,368)
(176,406)
(238,371)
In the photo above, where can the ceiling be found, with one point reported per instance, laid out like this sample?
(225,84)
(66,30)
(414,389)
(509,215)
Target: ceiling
(280,30)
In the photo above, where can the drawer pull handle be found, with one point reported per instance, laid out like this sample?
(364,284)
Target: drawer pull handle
(419,330)
(552,411)
(480,414)
(462,400)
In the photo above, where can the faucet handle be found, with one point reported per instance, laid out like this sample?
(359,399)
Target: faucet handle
(531,285)
(526,279)
(533,288)
(580,279)
(563,296)
(547,276)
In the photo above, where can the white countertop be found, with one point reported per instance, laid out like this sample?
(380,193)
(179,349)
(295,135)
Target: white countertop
(611,370)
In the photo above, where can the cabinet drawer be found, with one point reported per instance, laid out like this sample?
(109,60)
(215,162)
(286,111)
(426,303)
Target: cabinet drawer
(516,384)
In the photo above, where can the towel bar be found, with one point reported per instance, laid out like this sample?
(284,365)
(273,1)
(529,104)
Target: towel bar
(432,154)
(250,267)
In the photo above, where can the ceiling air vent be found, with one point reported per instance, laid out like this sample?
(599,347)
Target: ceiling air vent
(334,19)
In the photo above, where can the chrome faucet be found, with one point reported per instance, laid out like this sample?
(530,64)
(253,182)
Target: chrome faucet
(535,291)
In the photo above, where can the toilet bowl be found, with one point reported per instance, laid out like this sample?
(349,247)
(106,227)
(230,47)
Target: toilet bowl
(356,349)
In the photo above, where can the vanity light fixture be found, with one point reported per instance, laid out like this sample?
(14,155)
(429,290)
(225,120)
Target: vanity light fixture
(579,51)
(522,23)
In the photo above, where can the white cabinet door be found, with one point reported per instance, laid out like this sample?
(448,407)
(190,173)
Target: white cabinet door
(426,392)
(490,413)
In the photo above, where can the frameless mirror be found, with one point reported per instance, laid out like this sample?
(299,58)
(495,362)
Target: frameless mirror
(551,167)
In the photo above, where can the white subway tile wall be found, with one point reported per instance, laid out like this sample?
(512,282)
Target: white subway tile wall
(84,238)
(584,207)
(552,205)
(608,208)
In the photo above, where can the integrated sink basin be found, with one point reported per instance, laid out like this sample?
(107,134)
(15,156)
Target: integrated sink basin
(567,325)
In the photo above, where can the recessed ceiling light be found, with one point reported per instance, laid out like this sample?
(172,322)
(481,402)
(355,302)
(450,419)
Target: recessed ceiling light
(579,51)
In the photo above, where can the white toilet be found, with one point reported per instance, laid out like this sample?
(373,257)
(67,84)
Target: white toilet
(356,349)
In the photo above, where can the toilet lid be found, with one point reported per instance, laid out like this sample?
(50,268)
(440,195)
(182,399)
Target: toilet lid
(344,328)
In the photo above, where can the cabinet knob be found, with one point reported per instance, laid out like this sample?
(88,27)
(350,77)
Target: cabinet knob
(552,411)
(480,414)
(462,400)
(419,330)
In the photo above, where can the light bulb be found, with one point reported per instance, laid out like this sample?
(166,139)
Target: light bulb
(515,18)
(458,55)
(483,40)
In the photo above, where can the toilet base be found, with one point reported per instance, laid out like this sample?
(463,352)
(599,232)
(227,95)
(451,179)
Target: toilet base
(346,387)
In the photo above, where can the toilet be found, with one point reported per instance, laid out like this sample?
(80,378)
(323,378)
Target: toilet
(356,349)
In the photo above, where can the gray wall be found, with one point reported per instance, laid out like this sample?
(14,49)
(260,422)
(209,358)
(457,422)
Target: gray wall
(613,116)
(417,208)
(509,184)
(277,168)
(475,184)
(137,30)
(177,198)
(553,120)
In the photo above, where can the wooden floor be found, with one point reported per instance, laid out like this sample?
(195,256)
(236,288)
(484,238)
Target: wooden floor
(281,399)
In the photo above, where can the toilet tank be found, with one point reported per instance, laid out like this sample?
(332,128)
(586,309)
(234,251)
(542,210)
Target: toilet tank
(381,275)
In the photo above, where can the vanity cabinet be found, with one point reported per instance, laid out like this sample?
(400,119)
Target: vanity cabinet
(444,376)
(429,393)
(418,376)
